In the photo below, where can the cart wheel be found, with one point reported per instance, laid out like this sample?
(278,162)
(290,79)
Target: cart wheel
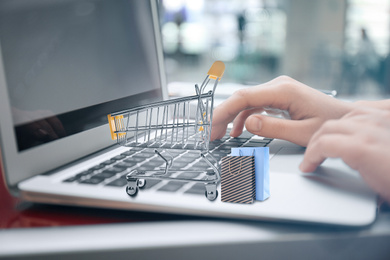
(131,191)
(211,196)
(141,183)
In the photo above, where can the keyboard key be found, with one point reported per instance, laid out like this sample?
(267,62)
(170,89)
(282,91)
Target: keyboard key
(113,170)
(197,188)
(108,162)
(136,148)
(166,145)
(174,153)
(97,167)
(195,191)
(148,151)
(158,160)
(84,173)
(150,183)
(178,165)
(72,179)
(195,155)
(121,182)
(223,139)
(145,168)
(258,141)
(172,186)
(184,159)
(154,163)
(104,175)
(213,146)
(180,146)
(246,134)
(132,160)
(201,163)
(128,153)
(93,180)
(228,146)
(217,157)
(238,140)
(143,155)
(226,149)
(255,144)
(221,152)
(124,165)
(189,175)
(118,157)
(218,141)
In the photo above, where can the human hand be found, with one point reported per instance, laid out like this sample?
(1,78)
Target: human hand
(36,127)
(308,109)
(361,139)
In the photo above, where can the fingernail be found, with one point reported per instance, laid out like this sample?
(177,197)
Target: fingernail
(301,167)
(304,167)
(254,124)
(41,133)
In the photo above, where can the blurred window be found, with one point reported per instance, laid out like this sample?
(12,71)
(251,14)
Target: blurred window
(333,44)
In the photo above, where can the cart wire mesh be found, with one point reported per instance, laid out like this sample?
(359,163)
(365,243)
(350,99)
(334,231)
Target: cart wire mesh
(181,123)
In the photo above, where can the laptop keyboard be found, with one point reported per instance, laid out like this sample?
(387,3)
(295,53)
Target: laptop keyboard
(113,172)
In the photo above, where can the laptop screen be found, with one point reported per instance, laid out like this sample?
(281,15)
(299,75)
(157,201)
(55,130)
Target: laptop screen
(68,63)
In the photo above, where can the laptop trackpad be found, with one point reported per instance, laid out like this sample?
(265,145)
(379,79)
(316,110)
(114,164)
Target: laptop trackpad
(333,172)
(287,159)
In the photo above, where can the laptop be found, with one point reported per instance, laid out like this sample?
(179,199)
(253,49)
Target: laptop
(65,65)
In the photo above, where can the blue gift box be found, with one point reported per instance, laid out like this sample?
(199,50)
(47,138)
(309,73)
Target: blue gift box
(261,155)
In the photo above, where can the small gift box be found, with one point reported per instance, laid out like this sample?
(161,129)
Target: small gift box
(238,179)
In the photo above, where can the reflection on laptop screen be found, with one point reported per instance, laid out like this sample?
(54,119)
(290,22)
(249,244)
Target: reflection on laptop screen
(70,63)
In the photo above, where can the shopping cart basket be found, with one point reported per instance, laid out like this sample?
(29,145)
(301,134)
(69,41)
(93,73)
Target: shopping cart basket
(181,123)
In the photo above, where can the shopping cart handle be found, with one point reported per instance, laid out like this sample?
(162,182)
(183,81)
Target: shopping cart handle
(116,124)
(216,70)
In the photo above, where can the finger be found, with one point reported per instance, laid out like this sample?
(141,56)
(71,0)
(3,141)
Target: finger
(45,127)
(57,126)
(217,131)
(239,121)
(330,146)
(255,97)
(296,131)
(36,131)
(278,93)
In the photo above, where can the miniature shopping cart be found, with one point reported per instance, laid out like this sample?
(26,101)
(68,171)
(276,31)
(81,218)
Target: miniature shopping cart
(181,123)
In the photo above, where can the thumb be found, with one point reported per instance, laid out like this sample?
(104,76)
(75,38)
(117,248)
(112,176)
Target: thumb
(296,131)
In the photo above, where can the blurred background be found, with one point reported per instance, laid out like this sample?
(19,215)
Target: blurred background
(333,44)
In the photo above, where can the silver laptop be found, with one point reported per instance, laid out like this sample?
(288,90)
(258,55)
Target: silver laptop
(65,65)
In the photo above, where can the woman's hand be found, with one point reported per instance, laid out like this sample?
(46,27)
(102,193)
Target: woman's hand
(361,139)
(308,109)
